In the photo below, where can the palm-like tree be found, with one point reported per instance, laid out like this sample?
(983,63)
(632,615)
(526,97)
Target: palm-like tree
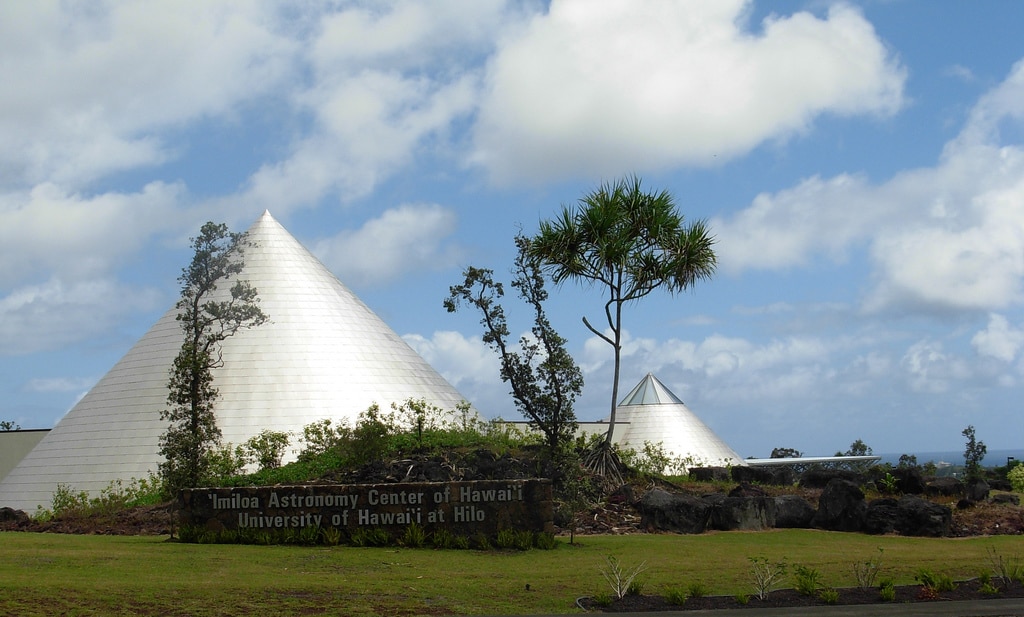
(630,242)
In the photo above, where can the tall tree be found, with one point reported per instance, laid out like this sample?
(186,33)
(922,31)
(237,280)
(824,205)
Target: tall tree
(545,380)
(206,320)
(630,243)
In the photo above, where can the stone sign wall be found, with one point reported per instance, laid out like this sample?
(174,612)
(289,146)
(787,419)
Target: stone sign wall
(463,508)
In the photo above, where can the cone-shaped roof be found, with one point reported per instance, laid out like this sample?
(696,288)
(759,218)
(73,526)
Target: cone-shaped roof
(322,354)
(651,412)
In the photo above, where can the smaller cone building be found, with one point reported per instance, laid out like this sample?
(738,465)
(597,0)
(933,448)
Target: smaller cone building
(651,412)
(322,354)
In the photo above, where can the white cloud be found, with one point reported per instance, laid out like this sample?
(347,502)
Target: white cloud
(947,238)
(73,235)
(598,88)
(929,368)
(999,339)
(410,238)
(469,365)
(85,85)
(47,316)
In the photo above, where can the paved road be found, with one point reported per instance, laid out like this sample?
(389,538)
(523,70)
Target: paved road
(1013,607)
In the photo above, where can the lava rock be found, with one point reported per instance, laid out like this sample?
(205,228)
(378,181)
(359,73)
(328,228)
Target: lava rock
(841,507)
(661,510)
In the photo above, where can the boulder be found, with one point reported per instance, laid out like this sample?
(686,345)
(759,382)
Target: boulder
(944,487)
(793,511)
(1006,498)
(744,473)
(661,510)
(10,515)
(746,508)
(841,507)
(920,517)
(819,477)
(976,490)
(881,515)
(910,481)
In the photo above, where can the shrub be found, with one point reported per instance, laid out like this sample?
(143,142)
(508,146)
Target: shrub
(829,595)
(887,591)
(442,538)
(620,579)
(766,575)
(1016,478)
(808,580)
(267,448)
(675,596)
(697,589)
(331,536)
(865,572)
(414,536)
(742,599)
(545,541)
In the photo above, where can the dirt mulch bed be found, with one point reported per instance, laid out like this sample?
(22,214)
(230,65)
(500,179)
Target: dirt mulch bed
(967,590)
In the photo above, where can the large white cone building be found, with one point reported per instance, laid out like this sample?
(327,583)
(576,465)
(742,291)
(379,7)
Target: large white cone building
(323,354)
(650,412)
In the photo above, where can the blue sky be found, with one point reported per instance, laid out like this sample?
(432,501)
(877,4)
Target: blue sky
(860,164)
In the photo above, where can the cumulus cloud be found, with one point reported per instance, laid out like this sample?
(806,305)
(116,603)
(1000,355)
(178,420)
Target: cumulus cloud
(929,368)
(85,85)
(999,339)
(58,313)
(944,238)
(598,88)
(72,235)
(412,237)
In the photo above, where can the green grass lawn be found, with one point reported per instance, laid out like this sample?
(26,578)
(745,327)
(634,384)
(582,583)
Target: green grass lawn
(48,574)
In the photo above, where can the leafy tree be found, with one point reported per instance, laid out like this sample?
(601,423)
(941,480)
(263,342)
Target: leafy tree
(192,437)
(907,461)
(630,243)
(545,380)
(786,453)
(267,448)
(857,448)
(9,425)
(973,454)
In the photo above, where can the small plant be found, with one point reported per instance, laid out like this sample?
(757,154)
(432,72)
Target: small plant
(828,595)
(988,589)
(506,539)
(370,537)
(603,599)
(984,577)
(742,599)
(523,539)
(308,535)
(676,596)
(927,593)
(766,575)
(889,483)
(414,536)
(697,589)
(865,572)
(442,538)
(935,582)
(460,542)
(1007,569)
(887,591)
(621,580)
(635,588)
(545,541)
(331,536)
(808,580)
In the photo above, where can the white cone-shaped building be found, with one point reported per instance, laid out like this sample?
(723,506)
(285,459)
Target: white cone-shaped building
(650,412)
(322,354)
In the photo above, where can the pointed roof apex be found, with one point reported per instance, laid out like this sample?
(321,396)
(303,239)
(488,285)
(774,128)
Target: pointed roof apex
(650,391)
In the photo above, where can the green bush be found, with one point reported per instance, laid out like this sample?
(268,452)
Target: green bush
(808,580)
(1016,478)
(414,536)
(675,596)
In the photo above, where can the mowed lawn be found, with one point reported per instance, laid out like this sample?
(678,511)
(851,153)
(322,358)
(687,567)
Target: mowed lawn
(50,574)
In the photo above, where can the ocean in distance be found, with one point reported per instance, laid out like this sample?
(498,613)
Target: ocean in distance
(993,458)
